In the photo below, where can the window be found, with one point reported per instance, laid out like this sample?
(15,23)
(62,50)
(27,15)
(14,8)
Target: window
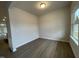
(75,27)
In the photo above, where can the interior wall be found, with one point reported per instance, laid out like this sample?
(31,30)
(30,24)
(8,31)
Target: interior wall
(24,27)
(75,48)
(56,25)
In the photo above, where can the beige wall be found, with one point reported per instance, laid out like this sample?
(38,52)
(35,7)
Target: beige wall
(24,27)
(75,48)
(56,25)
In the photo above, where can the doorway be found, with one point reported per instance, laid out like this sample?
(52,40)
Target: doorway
(4,40)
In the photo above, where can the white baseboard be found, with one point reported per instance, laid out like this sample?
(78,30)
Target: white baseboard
(24,43)
(54,39)
(14,50)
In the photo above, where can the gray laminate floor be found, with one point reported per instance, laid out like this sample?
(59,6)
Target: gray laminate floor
(40,48)
(4,50)
(43,48)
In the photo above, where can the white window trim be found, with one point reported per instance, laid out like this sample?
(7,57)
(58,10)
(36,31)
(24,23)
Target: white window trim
(76,41)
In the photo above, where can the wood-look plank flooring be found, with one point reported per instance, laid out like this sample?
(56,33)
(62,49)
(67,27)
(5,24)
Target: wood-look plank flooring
(41,48)
(4,50)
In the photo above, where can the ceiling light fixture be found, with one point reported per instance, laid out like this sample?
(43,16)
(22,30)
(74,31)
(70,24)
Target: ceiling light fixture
(42,5)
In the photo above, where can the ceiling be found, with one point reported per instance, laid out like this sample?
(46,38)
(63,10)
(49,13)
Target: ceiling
(34,6)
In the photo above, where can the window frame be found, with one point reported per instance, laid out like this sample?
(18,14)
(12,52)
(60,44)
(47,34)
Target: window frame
(73,18)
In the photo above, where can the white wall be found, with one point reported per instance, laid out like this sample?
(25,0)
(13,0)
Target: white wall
(24,27)
(75,48)
(56,25)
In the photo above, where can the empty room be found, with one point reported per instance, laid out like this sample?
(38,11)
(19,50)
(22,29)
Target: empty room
(39,29)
